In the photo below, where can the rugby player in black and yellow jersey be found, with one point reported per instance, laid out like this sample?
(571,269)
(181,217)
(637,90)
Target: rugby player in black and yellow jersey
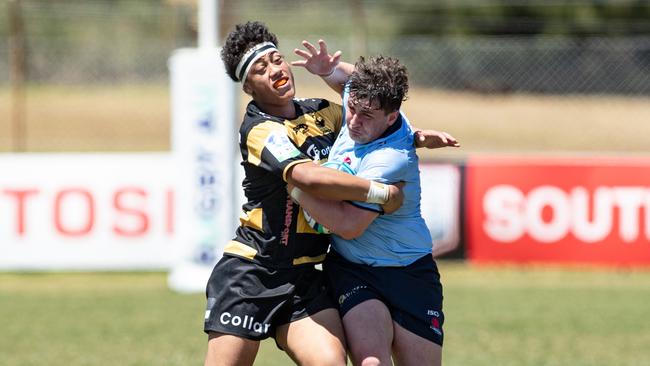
(266,284)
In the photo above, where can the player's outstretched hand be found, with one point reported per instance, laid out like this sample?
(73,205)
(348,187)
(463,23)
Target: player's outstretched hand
(318,62)
(433,139)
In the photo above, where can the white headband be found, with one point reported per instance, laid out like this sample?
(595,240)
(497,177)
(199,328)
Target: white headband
(250,57)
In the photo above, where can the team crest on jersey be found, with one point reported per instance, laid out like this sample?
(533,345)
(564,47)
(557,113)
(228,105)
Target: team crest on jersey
(319,121)
(302,128)
(279,145)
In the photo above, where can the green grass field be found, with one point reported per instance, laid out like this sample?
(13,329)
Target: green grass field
(494,316)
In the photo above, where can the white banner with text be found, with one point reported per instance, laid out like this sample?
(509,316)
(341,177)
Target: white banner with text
(86,211)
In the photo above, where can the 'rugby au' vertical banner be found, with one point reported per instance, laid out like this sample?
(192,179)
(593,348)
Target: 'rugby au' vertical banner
(203,140)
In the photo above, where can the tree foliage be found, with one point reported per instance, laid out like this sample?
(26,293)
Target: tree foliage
(520,17)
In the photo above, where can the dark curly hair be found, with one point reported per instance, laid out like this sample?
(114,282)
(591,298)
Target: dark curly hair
(240,40)
(381,80)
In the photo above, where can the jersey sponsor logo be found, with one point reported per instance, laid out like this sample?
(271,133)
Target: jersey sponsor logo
(288,215)
(244,322)
(279,145)
(317,154)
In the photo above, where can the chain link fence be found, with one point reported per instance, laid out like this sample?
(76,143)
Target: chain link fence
(96,76)
(619,66)
(546,65)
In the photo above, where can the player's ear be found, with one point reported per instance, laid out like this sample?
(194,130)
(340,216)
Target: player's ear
(392,117)
(247,88)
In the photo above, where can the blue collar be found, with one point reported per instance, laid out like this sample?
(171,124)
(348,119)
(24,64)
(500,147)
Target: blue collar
(392,128)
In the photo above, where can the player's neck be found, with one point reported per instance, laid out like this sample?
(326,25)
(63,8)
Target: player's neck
(287,111)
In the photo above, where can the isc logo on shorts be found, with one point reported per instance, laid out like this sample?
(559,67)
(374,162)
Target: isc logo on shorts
(435,321)
(247,322)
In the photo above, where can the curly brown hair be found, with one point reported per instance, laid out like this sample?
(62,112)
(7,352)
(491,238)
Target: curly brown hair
(381,80)
(240,40)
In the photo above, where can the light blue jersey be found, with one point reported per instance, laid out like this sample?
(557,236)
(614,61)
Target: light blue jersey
(400,238)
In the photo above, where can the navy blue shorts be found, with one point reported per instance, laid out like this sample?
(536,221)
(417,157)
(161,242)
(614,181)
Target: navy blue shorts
(413,294)
(250,301)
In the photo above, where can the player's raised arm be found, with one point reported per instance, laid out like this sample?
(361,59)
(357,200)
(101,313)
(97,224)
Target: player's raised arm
(320,62)
(336,73)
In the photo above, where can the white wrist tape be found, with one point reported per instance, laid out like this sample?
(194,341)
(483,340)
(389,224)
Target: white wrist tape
(295,194)
(378,193)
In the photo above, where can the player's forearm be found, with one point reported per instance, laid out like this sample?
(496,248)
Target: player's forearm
(334,215)
(339,76)
(334,185)
(328,183)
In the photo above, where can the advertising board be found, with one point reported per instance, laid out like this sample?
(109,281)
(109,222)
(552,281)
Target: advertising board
(86,211)
(559,210)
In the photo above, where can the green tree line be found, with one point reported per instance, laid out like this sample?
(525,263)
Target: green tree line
(523,17)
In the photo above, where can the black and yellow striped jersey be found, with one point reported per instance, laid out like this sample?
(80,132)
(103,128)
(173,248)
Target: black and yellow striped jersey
(273,230)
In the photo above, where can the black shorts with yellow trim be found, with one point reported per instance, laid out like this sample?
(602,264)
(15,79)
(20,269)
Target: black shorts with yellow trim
(237,249)
(412,294)
(250,301)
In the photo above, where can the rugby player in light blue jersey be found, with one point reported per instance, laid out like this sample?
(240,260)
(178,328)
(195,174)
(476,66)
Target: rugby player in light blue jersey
(380,268)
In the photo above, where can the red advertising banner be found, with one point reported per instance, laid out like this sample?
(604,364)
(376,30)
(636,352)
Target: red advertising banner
(559,210)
